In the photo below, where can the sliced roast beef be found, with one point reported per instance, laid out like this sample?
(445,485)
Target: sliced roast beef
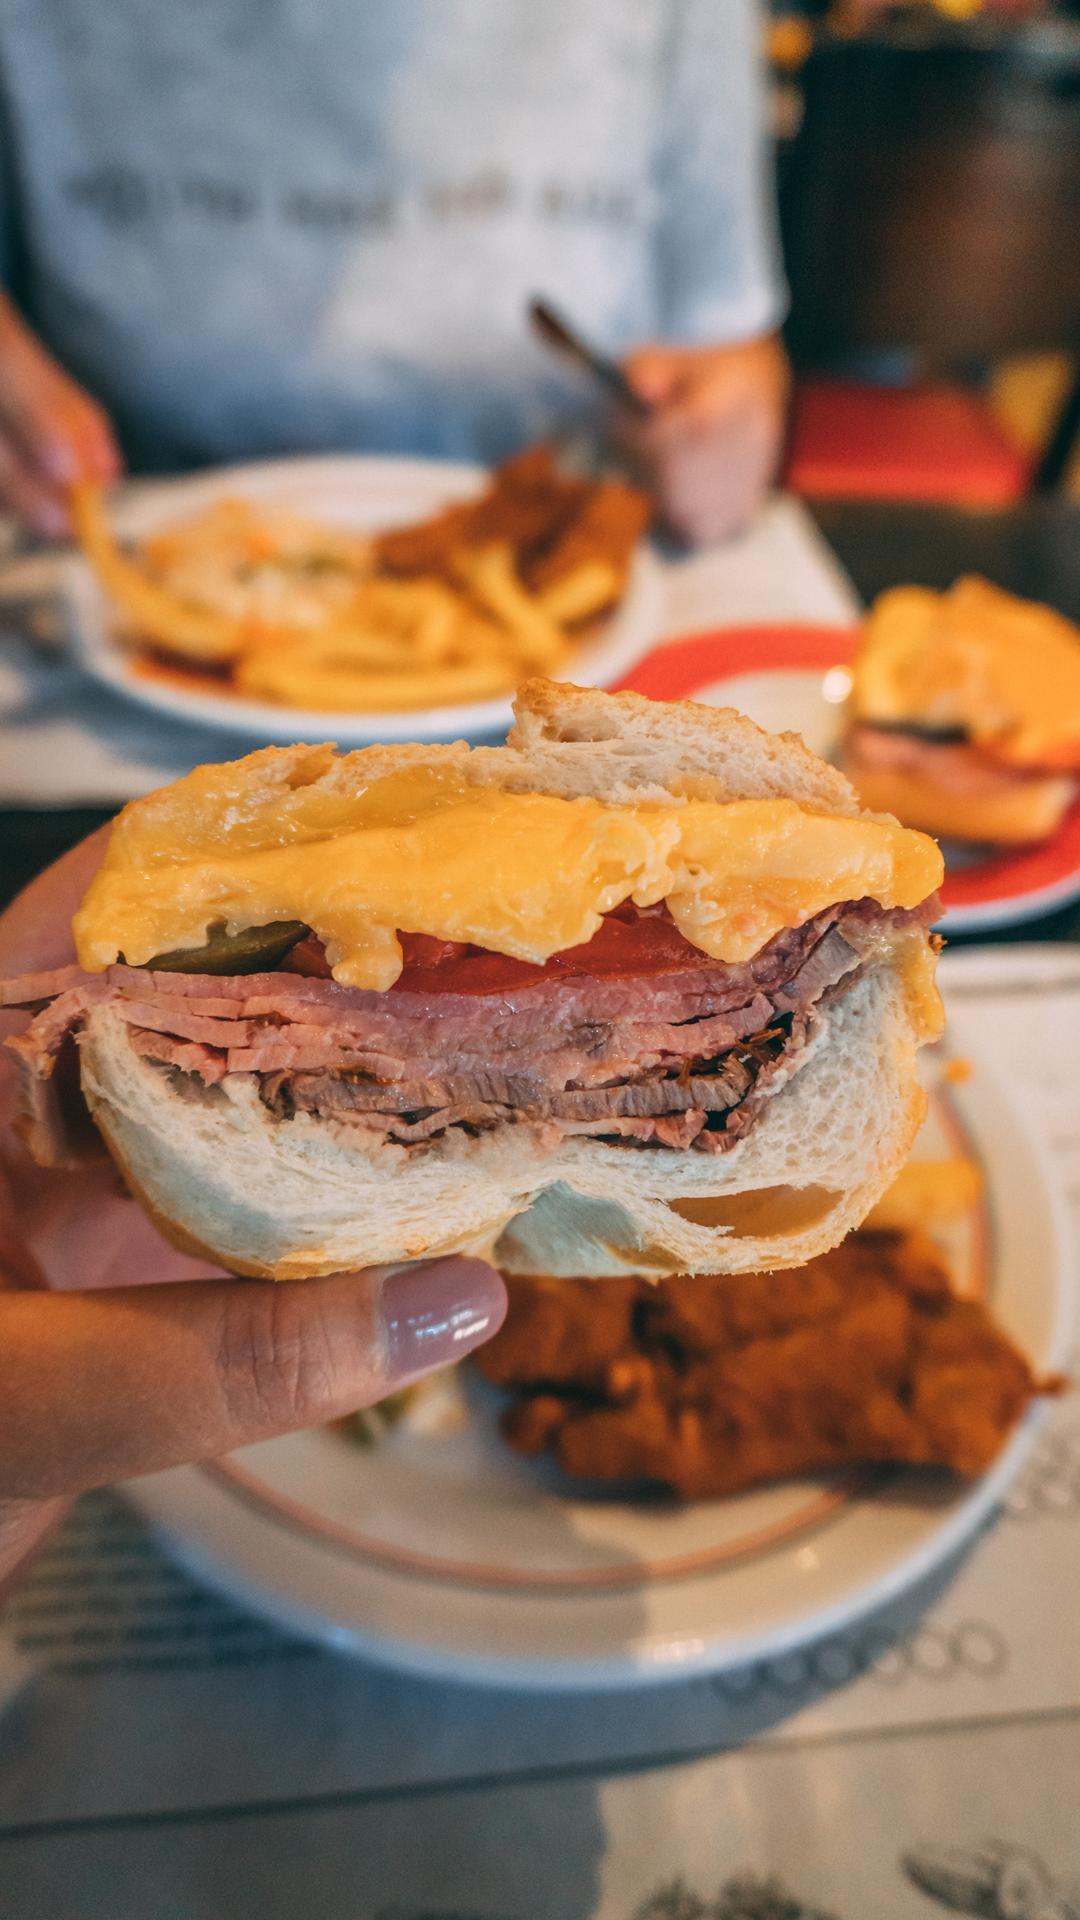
(683,1056)
(823,967)
(655,1130)
(327,1093)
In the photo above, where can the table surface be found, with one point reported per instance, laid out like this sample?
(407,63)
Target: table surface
(254,1763)
(168,1756)
(1033,550)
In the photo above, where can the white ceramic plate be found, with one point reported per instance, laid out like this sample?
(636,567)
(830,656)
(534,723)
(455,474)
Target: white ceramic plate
(796,676)
(354,491)
(441,1552)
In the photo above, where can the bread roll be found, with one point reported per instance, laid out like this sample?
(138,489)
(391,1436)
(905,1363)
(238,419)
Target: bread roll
(225,1175)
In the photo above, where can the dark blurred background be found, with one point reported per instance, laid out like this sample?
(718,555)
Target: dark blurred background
(930,206)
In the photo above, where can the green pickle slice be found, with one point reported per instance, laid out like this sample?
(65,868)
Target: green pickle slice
(253,950)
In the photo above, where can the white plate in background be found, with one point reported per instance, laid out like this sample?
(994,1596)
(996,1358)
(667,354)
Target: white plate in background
(362,492)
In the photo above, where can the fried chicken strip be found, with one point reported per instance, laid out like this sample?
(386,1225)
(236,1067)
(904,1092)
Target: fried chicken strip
(552,522)
(707,1388)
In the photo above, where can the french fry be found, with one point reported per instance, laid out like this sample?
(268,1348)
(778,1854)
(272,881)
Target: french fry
(156,615)
(491,577)
(587,590)
(354,646)
(480,638)
(926,1193)
(397,623)
(293,677)
(399,643)
(436,635)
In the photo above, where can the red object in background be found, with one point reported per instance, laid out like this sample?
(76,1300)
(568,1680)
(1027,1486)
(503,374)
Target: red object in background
(934,441)
(998,889)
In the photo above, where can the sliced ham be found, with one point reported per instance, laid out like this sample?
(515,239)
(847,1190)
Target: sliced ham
(680,1057)
(824,967)
(958,766)
(207,1064)
(661,1130)
(53,1120)
(34,989)
(327,1093)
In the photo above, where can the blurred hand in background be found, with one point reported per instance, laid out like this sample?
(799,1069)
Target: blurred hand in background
(711,443)
(51,432)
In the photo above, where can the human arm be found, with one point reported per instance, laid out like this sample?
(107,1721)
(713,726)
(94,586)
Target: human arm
(51,431)
(120,1356)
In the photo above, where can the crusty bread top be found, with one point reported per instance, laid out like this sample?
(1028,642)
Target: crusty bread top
(613,744)
(569,741)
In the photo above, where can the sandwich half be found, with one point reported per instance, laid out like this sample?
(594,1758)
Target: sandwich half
(965,713)
(639,992)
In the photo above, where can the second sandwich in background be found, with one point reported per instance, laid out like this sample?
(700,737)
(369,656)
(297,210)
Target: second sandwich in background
(965,713)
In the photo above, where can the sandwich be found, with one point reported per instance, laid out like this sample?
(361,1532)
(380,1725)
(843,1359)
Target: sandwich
(640,992)
(965,713)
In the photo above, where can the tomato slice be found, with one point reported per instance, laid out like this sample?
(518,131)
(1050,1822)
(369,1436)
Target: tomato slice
(630,943)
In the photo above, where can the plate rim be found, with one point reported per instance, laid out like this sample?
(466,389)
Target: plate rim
(652,1659)
(649,1662)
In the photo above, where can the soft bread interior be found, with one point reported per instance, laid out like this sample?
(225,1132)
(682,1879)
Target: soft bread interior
(292,1198)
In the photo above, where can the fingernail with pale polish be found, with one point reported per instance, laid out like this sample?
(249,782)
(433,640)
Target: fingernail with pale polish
(436,1314)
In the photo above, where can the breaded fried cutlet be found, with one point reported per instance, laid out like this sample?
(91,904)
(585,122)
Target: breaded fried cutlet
(553,523)
(605,528)
(708,1387)
(525,506)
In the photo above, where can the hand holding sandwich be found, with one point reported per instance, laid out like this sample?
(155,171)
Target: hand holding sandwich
(120,1376)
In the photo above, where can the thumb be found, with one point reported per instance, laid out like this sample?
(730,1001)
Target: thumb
(97,1387)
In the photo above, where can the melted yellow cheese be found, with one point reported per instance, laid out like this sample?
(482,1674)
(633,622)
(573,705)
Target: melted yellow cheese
(1003,669)
(526,874)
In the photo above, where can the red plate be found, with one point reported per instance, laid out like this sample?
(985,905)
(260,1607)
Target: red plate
(780,676)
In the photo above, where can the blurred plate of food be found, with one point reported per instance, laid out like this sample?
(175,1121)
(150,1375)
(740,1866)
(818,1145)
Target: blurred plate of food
(361,599)
(676,1480)
(959,712)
